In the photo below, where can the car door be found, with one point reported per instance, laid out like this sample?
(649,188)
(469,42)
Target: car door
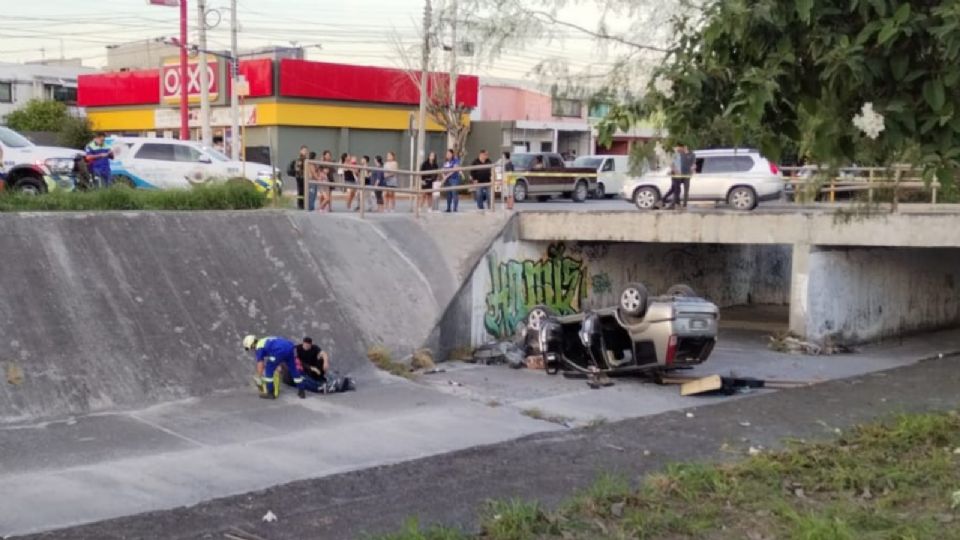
(154,162)
(557,182)
(195,166)
(539,180)
(712,174)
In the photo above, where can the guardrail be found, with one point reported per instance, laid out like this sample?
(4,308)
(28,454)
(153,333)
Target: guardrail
(852,180)
(415,178)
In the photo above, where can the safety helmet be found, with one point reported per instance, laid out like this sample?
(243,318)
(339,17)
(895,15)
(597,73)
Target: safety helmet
(249,341)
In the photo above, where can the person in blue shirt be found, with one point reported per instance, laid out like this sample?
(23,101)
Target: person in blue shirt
(98,156)
(272,352)
(452,179)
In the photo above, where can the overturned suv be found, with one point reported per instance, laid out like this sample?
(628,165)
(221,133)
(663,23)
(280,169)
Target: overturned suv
(643,333)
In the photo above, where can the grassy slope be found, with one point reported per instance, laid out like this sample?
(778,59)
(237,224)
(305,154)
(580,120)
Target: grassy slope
(228,196)
(898,479)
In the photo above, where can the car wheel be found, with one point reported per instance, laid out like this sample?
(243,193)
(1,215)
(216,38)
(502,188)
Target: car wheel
(580,192)
(646,198)
(742,198)
(681,290)
(633,299)
(30,185)
(520,191)
(536,316)
(600,193)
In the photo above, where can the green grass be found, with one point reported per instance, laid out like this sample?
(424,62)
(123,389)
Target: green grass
(898,479)
(226,196)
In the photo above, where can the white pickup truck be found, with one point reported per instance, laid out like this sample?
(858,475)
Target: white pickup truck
(34,169)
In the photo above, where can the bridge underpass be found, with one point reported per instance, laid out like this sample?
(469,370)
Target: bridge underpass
(847,278)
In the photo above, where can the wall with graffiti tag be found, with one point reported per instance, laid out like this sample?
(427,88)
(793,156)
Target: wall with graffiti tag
(570,277)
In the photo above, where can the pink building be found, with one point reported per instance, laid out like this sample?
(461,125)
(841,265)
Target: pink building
(511,118)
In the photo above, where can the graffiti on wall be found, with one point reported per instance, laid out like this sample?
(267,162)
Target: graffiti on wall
(557,280)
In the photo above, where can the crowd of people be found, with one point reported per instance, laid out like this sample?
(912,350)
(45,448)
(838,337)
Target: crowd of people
(311,172)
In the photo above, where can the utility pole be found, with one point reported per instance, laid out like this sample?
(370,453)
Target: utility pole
(424,74)
(184,106)
(206,136)
(453,68)
(234,66)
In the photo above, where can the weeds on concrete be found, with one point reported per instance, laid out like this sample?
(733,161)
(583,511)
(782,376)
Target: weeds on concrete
(538,414)
(226,196)
(412,531)
(381,357)
(422,359)
(894,479)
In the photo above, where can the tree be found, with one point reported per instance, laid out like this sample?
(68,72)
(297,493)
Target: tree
(75,132)
(38,115)
(841,79)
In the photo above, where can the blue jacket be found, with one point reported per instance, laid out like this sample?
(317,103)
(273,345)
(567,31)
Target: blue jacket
(98,156)
(276,347)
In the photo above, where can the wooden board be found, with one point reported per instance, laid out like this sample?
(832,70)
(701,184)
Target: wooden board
(699,386)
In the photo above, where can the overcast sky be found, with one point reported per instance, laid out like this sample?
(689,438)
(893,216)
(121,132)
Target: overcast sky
(354,31)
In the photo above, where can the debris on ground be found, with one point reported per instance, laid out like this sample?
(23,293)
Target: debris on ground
(787,342)
(538,414)
(689,415)
(535,361)
(14,374)
(422,359)
(434,371)
(497,353)
(717,384)
(454,383)
(754,450)
(270,517)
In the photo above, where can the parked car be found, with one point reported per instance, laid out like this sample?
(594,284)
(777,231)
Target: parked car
(742,178)
(552,179)
(34,169)
(612,173)
(170,163)
(642,333)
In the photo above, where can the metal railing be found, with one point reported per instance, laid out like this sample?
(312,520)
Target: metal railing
(898,179)
(415,177)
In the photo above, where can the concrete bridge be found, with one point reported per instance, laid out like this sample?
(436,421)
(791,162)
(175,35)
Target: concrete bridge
(852,277)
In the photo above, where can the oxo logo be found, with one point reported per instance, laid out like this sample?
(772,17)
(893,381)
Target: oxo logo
(170,81)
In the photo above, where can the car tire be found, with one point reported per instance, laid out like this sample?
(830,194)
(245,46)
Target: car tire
(646,198)
(535,317)
(600,192)
(580,192)
(633,299)
(30,185)
(520,191)
(742,198)
(681,290)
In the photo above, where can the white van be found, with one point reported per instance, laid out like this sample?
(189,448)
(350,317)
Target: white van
(171,164)
(612,172)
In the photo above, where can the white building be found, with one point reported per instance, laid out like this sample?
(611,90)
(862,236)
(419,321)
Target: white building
(19,83)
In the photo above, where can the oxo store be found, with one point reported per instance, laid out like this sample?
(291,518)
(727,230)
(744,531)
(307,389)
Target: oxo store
(361,110)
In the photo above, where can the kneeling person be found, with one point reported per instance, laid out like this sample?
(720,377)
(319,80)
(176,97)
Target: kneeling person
(313,363)
(271,353)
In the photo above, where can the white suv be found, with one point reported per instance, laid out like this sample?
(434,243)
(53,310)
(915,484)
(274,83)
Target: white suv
(739,177)
(34,169)
(171,164)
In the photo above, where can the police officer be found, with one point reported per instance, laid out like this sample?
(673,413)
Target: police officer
(98,156)
(270,353)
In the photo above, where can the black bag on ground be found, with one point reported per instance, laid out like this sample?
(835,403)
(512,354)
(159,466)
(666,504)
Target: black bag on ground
(336,383)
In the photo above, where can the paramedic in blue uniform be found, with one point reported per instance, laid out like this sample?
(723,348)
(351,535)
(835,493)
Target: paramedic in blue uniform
(98,156)
(270,353)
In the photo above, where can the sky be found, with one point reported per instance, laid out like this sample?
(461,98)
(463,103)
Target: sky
(353,31)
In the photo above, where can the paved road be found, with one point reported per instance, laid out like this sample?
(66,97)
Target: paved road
(450,488)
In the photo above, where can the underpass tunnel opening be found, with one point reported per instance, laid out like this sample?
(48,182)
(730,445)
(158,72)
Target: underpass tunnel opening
(852,295)
(750,283)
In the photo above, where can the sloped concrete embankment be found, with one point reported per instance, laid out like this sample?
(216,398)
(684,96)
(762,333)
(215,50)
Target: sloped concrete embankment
(122,310)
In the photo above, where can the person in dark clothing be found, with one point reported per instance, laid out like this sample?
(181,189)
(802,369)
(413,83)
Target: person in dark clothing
(379,180)
(681,170)
(482,176)
(298,171)
(314,363)
(426,181)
